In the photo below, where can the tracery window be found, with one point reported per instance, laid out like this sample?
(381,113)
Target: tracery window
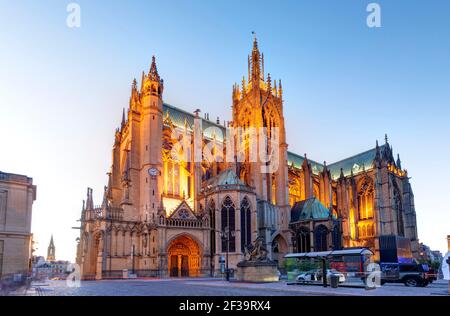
(321,238)
(246,231)
(366,200)
(228,224)
(303,239)
(398,208)
(294,191)
(212,216)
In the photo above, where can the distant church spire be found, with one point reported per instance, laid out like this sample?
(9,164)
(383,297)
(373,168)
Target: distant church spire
(51,250)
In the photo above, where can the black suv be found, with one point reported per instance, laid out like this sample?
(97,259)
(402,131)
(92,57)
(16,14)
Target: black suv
(411,274)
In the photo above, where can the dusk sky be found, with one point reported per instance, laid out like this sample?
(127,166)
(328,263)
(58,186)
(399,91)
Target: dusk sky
(62,89)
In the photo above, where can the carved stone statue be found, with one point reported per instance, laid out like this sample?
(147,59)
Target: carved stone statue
(257,251)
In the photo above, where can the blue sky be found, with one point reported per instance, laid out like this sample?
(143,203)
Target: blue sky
(345,85)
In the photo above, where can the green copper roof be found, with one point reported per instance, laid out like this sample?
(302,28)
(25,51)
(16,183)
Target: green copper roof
(179,117)
(297,161)
(309,209)
(211,129)
(356,163)
(226,177)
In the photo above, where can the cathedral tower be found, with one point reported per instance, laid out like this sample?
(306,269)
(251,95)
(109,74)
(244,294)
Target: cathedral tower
(257,104)
(151,142)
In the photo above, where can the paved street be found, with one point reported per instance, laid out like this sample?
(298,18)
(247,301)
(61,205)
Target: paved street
(211,287)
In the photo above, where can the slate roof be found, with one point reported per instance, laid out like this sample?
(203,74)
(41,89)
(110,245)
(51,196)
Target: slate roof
(355,163)
(179,117)
(226,177)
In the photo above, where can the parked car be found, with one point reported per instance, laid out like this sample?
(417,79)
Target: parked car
(410,274)
(316,275)
(431,275)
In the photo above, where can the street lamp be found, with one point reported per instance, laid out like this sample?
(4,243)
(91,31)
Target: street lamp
(225,235)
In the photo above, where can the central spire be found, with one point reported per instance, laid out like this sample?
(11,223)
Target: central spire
(153,73)
(255,60)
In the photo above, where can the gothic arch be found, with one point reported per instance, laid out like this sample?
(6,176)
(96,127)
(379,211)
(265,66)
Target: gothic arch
(246,223)
(279,249)
(303,239)
(321,238)
(398,209)
(184,253)
(366,197)
(228,220)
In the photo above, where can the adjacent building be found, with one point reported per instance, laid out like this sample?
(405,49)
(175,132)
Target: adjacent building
(17,194)
(180,214)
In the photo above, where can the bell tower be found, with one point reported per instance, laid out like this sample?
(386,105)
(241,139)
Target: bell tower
(151,142)
(258,104)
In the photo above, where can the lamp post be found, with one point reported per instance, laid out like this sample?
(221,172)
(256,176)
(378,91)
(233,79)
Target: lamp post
(225,235)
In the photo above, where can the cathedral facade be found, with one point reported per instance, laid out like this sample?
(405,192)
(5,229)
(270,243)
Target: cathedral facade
(178,200)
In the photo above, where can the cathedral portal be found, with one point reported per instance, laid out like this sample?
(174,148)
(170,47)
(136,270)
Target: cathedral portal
(184,257)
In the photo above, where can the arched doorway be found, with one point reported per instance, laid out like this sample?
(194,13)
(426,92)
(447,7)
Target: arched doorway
(279,250)
(184,257)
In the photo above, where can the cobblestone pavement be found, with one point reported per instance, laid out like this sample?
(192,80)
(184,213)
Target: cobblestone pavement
(211,287)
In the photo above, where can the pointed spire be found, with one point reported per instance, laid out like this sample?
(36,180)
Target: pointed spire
(377,152)
(109,193)
(249,67)
(89,200)
(280,89)
(386,138)
(105,202)
(269,84)
(123,118)
(399,162)
(256,60)
(341,176)
(153,72)
(325,168)
(142,81)
(262,63)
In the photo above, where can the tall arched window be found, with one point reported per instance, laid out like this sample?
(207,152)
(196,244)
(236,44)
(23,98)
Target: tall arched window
(303,240)
(399,212)
(212,217)
(246,227)
(365,200)
(337,244)
(228,223)
(294,191)
(321,238)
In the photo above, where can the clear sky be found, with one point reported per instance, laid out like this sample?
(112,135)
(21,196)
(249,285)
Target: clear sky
(62,90)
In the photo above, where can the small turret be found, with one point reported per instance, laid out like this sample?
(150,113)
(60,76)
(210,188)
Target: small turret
(152,83)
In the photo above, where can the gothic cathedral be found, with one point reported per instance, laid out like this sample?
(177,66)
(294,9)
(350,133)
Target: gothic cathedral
(179,215)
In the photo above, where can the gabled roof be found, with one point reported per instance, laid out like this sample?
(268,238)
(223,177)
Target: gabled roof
(183,211)
(309,209)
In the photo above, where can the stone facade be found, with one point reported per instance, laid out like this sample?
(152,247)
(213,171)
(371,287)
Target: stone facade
(17,194)
(164,214)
